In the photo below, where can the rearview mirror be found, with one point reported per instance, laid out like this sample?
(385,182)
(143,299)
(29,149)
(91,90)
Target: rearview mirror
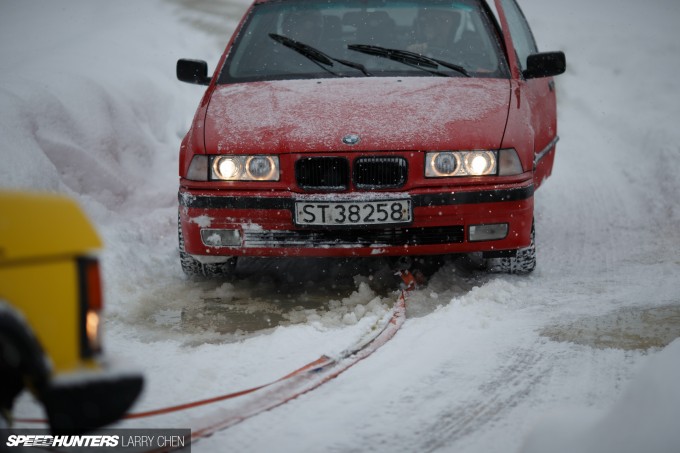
(193,71)
(545,64)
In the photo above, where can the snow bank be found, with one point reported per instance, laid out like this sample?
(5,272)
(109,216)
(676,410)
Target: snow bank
(90,107)
(82,111)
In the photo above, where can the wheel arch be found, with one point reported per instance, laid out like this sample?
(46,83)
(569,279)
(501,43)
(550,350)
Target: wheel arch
(22,358)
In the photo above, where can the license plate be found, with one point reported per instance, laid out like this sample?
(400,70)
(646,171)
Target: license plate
(349,213)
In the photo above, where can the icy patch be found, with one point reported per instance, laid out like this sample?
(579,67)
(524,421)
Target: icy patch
(628,329)
(167,317)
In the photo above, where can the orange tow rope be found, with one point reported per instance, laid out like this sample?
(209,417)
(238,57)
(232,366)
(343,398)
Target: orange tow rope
(409,283)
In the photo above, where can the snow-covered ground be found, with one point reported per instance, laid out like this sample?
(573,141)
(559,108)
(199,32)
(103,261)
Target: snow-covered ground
(574,357)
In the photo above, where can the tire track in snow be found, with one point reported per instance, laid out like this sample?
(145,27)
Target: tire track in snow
(510,385)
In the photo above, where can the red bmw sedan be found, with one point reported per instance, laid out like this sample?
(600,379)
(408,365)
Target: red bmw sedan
(369,128)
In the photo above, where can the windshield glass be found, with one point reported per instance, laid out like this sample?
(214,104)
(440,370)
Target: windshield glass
(298,39)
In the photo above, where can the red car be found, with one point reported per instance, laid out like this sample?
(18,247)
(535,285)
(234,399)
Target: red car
(369,128)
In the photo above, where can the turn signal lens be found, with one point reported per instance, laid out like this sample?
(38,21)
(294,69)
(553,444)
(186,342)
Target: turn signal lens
(509,163)
(198,168)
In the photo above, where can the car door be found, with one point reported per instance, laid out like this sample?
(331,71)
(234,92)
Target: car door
(539,92)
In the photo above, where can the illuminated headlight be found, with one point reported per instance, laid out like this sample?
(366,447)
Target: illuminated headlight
(480,163)
(244,168)
(443,164)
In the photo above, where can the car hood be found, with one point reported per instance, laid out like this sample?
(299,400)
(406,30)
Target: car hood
(386,113)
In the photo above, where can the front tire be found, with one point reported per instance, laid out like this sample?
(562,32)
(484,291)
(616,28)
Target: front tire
(23,363)
(521,264)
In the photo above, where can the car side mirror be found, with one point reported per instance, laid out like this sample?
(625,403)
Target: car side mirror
(545,64)
(193,71)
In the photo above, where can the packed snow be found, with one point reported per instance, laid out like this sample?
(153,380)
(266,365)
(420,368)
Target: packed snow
(579,356)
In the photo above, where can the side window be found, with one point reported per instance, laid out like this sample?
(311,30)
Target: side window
(520,31)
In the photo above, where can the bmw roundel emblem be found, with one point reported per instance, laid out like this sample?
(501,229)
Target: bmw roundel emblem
(351,139)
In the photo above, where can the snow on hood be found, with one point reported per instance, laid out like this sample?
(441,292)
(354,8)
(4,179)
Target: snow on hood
(387,113)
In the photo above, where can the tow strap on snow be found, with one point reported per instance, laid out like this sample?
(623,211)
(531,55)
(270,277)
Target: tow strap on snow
(306,378)
(294,384)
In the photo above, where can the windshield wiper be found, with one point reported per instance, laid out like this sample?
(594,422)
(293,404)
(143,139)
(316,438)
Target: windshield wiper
(406,57)
(321,59)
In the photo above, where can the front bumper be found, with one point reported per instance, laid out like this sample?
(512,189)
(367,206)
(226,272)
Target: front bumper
(264,223)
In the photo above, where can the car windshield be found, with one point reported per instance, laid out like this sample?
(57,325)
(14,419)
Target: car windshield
(300,39)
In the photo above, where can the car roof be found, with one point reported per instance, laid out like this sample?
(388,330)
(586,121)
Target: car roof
(329,2)
(490,4)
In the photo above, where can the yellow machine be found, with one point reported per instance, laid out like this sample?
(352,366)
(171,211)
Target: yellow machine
(50,306)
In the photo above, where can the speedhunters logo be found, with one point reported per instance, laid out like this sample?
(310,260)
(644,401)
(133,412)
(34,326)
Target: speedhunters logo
(110,440)
(34,440)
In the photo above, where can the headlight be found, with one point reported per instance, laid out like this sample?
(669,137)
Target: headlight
(480,163)
(244,168)
(443,164)
(262,168)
